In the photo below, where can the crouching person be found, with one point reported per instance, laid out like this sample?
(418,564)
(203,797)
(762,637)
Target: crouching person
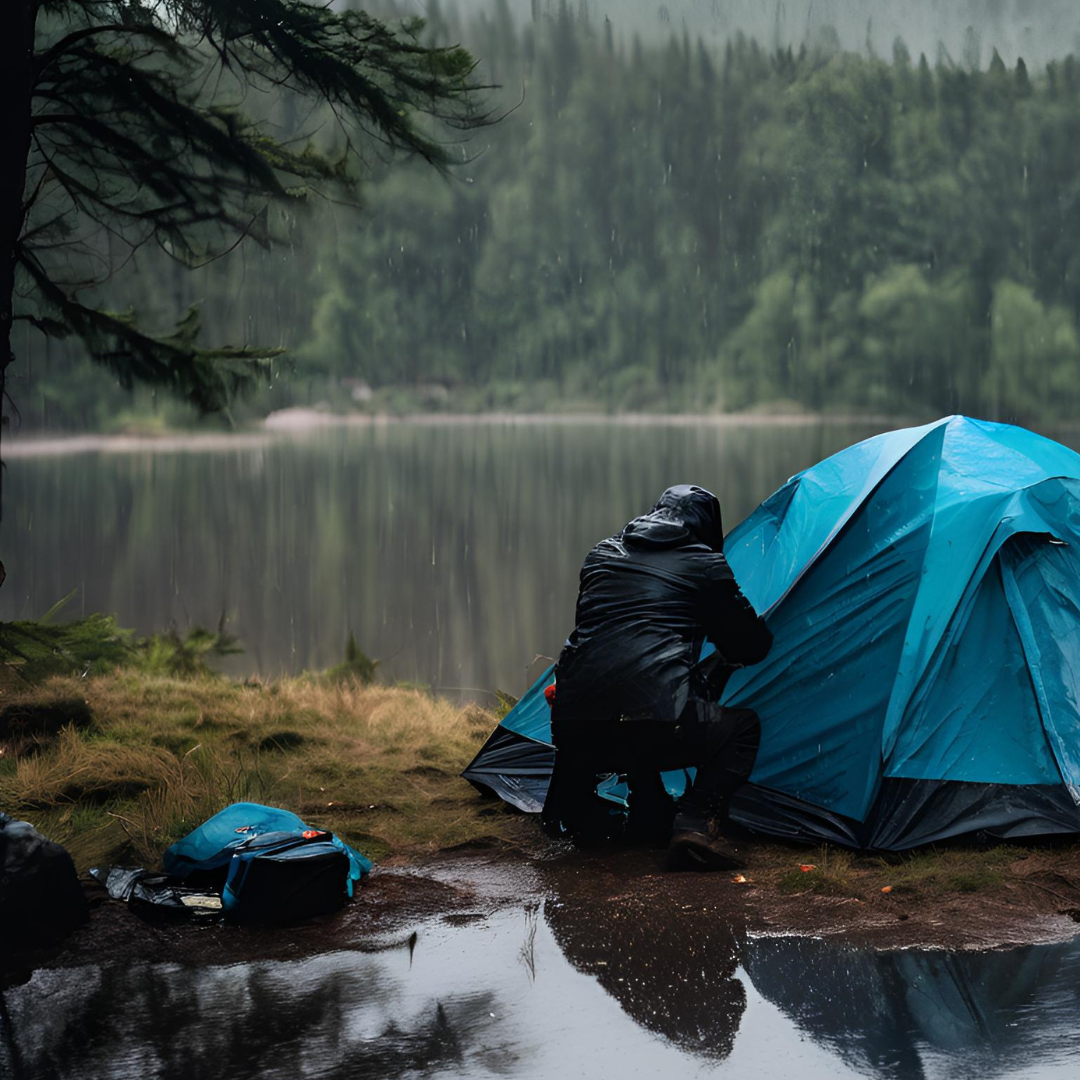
(631,696)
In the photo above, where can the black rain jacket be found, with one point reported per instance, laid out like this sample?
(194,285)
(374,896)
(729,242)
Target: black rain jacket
(648,598)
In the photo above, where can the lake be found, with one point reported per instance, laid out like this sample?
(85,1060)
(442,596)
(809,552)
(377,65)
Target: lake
(450,549)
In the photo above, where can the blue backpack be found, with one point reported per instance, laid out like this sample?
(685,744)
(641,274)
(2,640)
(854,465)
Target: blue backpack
(269,864)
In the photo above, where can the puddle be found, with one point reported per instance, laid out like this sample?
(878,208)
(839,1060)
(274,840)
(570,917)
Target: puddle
(560,984)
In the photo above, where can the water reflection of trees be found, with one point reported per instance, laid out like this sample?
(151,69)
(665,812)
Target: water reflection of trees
(414,537)
(317,1018)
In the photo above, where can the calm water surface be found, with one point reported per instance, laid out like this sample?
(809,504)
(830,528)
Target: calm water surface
(560,989)
(451,551)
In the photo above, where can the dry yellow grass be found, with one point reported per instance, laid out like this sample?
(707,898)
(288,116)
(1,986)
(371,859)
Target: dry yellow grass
(77,768)
(379,765)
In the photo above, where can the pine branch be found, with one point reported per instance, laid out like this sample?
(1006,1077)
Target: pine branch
(209,378)
(137,135)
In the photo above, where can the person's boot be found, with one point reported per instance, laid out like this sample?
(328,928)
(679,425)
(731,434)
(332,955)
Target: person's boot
(697,844)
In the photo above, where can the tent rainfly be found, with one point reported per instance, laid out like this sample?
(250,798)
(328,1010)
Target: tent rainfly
(923,592)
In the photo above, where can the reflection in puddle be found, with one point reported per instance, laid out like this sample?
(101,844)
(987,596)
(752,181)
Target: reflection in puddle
(913,1013)
(678,984)
(574,987)
(345,1015)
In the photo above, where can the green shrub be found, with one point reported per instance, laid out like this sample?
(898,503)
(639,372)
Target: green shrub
(168,653)
(357,665)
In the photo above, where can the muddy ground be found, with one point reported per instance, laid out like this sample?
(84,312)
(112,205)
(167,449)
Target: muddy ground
(1034,898)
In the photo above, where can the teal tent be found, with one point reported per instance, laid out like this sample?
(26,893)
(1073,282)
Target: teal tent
(923,592)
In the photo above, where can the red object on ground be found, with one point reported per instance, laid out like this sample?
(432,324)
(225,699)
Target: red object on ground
(549,694)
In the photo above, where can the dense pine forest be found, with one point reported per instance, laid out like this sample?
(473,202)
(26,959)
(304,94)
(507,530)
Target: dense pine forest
(671,226)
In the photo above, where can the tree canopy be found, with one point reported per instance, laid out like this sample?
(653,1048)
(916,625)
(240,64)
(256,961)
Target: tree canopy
(157,122)
(671,224)
(732,228)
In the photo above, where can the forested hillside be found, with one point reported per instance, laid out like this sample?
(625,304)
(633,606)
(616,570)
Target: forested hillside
(671,227)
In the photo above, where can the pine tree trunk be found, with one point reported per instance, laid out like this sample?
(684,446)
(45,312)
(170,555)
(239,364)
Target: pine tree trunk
(16,91)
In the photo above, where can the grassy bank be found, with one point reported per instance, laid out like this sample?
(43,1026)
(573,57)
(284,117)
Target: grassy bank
(117,766)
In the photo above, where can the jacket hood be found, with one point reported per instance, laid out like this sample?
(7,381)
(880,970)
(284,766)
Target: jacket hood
(683,515)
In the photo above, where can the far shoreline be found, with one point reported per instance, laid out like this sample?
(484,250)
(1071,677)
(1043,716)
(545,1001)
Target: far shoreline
(302,422)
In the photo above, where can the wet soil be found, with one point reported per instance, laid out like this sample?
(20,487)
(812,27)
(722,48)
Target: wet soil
(1017,915)
(386,902)
(1035,901)
(986,899)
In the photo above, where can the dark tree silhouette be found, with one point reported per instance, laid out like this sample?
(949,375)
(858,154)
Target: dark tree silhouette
(128,122)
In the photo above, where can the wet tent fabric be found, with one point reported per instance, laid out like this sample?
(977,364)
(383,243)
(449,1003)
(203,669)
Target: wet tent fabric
(910,627)
(923,592)
(516,762)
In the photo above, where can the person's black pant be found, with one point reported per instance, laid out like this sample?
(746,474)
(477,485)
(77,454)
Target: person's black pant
(721,744)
